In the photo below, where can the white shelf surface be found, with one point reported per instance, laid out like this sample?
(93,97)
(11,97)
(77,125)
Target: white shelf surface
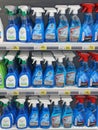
(49,46)
(60,128)
(71,90)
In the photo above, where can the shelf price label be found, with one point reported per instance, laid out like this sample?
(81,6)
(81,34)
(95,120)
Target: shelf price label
(43,47)
(16,48)
(67,92)
(15,93)
(43,92)
(91,47)
(68,47)
(87,92)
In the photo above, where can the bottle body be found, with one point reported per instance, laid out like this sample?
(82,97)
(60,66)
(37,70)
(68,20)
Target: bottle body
(1,31)
(96,29)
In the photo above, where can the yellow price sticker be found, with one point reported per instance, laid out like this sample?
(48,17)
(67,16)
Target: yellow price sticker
(87,92)
(15,93)
(16,48)
(91,47)
(43,47)
(67,92)
(43,92)
(68,47)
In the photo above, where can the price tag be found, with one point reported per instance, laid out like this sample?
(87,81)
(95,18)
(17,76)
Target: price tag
(43,92)
(16,48)
(15,93)
(68,47)
(91,47)
(67,92)
(87,92)
(43,47)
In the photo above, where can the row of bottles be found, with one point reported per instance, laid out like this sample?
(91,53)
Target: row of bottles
(24,30)
(48,69)
(46,112)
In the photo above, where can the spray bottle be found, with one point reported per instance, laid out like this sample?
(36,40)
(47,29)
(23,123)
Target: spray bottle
(22,117)
(70,70)
(25,29)
(38,30)
(37,78)
(11,79)
(34,114)
(12,29)
(6,120)
(87,27)
(79,112)
(50,32)
(49,76)
(84,71)
(75,25)
(63,27)
(25,75)
(45,115)
(96,24)
(67,117)
(1,31)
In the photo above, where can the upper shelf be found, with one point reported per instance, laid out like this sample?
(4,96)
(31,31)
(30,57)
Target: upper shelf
(48,46)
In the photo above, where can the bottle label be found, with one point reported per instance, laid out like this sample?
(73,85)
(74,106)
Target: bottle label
(45,120)
(10,82)
(96,36)
(5,122)
(34,119)
(63,34)
(24,81)
(93,83)
(70,78)
(11,34)
(1,80)
(37,34)
(79,121)
(91,121)
(37,80)
(67,121)
(82,84)
(22,34)
(50,33)
(21,122)
(0,35)
(74,34)
(59,80)
(56,121)
(49,79)
(86,38)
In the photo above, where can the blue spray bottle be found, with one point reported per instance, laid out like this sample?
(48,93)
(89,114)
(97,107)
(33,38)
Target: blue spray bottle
(75,25)
(45,115)
(49,74)
(96,25)
(11,79)
(12,29)
(70,69)
(67,117)
(63,27)
(25,30)
(84,71)
(25,75)
(22,117)
(87,27)
(79,112)
(34,114)
(50,32)
(37,77)
(6,120)
(38,30)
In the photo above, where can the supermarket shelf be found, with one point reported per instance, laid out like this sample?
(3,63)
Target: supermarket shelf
(48,46)
(60,128)
(50,91)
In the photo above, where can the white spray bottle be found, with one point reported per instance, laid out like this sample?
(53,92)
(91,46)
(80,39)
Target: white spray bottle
(1,31)
(75,25)
(50,32)
(38,30)
(63,27)
(67,118)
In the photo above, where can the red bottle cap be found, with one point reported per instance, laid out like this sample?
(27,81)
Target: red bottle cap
(80,99)
(92,99)
(84,57)
(94,55)
(87,7)
(96,7)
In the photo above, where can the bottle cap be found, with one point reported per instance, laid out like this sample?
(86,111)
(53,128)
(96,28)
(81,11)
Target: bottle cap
(24,9)
(80,99)
(61,8)
(51,11)
(92,99)
(11,9)
(84,56)
(96,7)
(38,11)
(87,7)
(74,9)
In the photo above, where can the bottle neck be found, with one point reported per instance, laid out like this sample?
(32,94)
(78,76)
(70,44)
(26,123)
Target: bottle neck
(89,18)
(11,19)
(96,17)
(51,19)
(24,20)
(10,68)
(38,19)
(85,65)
